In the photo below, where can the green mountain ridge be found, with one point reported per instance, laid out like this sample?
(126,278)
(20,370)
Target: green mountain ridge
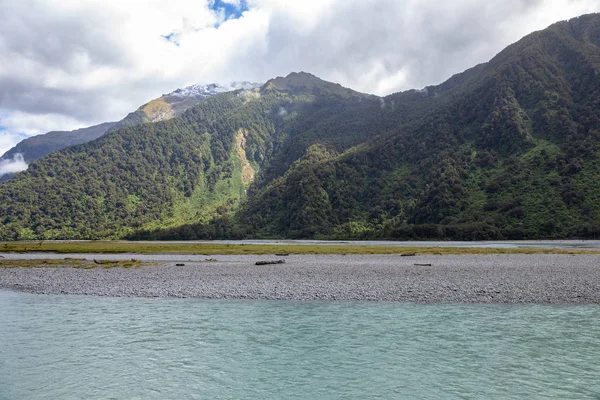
(38,146)
(505,150)
(162,108)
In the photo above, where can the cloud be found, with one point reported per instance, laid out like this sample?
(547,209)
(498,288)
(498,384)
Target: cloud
(18,125)
(9,140)
(34,124)
(235,3)
(74,63)
(388,45)
(12,166)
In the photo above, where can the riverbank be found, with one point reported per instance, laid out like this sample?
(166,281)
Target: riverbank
(303,247)
(504,278)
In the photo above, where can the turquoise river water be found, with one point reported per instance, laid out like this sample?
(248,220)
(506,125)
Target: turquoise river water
(70,347)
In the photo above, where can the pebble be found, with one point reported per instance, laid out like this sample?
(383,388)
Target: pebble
(554,279)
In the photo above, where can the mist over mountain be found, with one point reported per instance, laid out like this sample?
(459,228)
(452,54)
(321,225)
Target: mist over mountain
(506,150)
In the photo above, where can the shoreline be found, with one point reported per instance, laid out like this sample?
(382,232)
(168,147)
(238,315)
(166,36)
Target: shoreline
(469,279)
(302,247)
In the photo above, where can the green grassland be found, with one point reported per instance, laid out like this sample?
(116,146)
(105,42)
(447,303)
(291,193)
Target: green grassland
(70,263)
(115,247)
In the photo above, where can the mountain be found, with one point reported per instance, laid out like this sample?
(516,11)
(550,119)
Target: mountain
(506,150)
(30,149)
(187,169)
(165,107)
(173,104)
(38,146)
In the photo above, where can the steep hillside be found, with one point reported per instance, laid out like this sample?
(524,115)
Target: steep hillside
(187,169)
(165,107)
(508,149)
(38,146)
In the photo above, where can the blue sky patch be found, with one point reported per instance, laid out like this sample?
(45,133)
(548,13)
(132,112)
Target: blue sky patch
(230,11)
(223,8)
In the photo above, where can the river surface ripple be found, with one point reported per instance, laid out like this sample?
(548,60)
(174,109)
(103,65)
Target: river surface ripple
(78,347)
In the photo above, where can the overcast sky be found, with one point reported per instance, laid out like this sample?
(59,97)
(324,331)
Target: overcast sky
(66,64)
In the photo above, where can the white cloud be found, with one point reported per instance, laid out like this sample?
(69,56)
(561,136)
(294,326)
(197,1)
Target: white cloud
(34,124)
(14,165)
(9,140)
(72,63)
(19,125)
(234,3)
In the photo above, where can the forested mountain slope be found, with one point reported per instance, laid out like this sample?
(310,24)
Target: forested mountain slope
(38,146)
(186,169)
(508,149)
(35,147)
(162,108)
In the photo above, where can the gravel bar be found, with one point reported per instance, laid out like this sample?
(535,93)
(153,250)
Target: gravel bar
(515,278)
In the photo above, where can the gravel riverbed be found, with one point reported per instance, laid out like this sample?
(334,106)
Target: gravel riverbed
(550,279)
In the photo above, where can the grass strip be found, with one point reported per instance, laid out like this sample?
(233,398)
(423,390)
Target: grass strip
(115,247)
(69,263)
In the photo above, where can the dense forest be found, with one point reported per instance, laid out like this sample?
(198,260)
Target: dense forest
(164,107)
(506,150)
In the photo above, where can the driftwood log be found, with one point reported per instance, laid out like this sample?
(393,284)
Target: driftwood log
(270,262)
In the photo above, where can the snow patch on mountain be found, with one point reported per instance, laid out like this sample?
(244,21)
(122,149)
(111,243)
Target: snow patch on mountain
(203,91)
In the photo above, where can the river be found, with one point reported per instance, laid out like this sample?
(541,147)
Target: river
(80,347)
